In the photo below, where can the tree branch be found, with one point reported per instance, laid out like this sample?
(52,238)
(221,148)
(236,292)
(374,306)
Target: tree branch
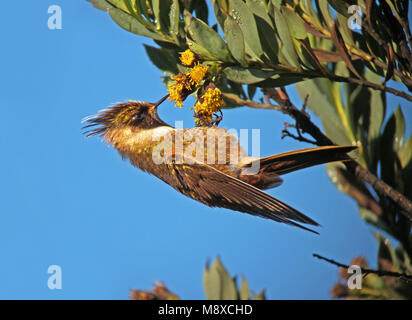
(252,104)
(381,273)
(369,84)
(299,137)
(306,125)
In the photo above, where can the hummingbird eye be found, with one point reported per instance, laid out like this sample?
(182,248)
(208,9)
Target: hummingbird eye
(137,116)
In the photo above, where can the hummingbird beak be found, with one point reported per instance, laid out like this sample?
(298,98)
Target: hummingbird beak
(160,101)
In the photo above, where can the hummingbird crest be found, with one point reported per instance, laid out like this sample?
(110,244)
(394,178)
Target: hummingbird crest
(131,114)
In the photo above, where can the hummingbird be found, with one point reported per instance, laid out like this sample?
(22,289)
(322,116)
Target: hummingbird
(136,131)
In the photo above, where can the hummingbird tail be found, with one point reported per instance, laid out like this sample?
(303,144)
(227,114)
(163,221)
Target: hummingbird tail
(295,160)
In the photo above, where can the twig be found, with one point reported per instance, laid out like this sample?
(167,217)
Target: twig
(249,103)
(381,187)
(301,118)
(306,125)
(365,271)
(299,137)
(372,85)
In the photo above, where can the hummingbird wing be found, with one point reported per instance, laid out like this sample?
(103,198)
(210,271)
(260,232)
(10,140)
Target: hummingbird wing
(295,160)
(214,188)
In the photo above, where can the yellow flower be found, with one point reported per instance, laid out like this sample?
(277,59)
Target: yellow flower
(211,102)
(187,57)
(197,73)
(179,88)
(201,122)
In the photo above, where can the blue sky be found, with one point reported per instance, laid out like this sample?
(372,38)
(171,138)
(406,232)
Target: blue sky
(73,202)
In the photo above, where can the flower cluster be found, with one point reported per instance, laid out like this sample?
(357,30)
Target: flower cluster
(207,106)
(184,84)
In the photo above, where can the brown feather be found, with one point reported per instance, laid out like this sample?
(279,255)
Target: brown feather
(217,189)
(295,160)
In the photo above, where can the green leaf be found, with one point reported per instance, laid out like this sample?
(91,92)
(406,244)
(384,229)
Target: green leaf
(345,31)
(280,80)
(258,9)
(260,296)
(288,48)
(325,12)
(387,154)
(200,51)
(341,46)
(220,13)
(378,105)
(308,7)
(161,9)
(132,8)
(321,103)
(365,113)
(386,251)
(223,4)
(405,152)
(209,39)
(174,17)
(142,7)
(141,13)
(376,116)
(373,219)
(308,56)
(247,76)
(164,59)
(244,293)
(375,284)
(277,3)
(218,284)
(268,40)
(211,284)
(400,128)
(121,4)
(295,24)
(243,16)
(131,24)
(404,258)
(101,4)
(235,40)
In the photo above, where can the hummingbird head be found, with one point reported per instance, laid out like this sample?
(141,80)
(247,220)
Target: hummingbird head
(132,114)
